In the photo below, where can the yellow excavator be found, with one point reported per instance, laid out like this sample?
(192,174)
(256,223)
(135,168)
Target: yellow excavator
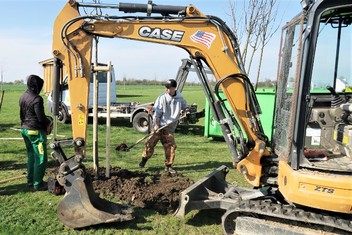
(301,177)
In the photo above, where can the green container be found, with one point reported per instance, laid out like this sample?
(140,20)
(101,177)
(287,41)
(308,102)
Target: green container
(266,98)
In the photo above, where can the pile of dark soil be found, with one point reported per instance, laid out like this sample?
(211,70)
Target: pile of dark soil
(158,192)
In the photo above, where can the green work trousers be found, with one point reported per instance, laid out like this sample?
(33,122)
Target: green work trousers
(37,158)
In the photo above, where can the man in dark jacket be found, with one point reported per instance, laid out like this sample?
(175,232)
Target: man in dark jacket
(34,128)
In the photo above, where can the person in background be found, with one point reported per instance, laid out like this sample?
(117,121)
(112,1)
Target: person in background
(167,110)
(35,126)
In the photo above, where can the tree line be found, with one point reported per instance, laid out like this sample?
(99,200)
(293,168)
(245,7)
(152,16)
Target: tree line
(266,83)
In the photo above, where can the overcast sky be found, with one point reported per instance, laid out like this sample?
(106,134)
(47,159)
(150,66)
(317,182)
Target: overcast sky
(26,37)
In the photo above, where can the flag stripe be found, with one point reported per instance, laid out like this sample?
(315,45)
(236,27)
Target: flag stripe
(203,38)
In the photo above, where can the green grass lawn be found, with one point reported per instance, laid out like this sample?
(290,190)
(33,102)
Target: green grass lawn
(26,212)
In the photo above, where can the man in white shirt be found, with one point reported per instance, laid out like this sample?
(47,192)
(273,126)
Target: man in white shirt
(167,110)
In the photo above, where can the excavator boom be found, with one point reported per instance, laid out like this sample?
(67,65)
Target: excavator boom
(208,41)
(205,38)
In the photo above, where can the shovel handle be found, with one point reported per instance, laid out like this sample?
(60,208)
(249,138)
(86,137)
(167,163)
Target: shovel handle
(152,133)
(11,179)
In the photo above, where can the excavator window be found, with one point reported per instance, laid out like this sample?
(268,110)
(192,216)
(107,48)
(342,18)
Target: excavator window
(322,90)
(329,123)
(290,55)
(332,63)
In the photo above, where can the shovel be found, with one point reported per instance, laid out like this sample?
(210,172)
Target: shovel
(125,148)
(11,179)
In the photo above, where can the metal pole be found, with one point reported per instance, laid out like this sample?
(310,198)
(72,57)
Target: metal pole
(95,115)
(95,124)
(107,69)
(108,121)
(2,92)
(2,80)
(57,71)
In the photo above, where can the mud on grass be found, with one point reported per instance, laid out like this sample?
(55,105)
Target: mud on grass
(160,192)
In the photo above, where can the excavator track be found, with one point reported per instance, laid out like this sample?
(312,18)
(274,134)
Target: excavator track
(288,215)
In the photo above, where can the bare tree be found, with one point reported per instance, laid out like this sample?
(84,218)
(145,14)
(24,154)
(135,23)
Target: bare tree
(254,30)
(254,26)
(267,29)
(245,23)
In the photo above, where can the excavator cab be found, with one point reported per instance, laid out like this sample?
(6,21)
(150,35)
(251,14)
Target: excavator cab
(318,87)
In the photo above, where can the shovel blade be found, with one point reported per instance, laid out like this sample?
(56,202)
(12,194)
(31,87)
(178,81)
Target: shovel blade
(122,147)
(82,207)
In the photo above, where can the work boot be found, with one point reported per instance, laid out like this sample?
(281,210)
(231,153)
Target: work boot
(170,170)
(43,186)
(143,162)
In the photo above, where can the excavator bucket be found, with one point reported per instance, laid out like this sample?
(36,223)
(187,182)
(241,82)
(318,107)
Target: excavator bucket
(82,207)
(206,193)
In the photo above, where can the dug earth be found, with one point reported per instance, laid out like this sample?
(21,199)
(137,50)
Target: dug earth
(160,192)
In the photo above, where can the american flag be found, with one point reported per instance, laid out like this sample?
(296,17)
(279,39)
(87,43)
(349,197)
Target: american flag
(203,38)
